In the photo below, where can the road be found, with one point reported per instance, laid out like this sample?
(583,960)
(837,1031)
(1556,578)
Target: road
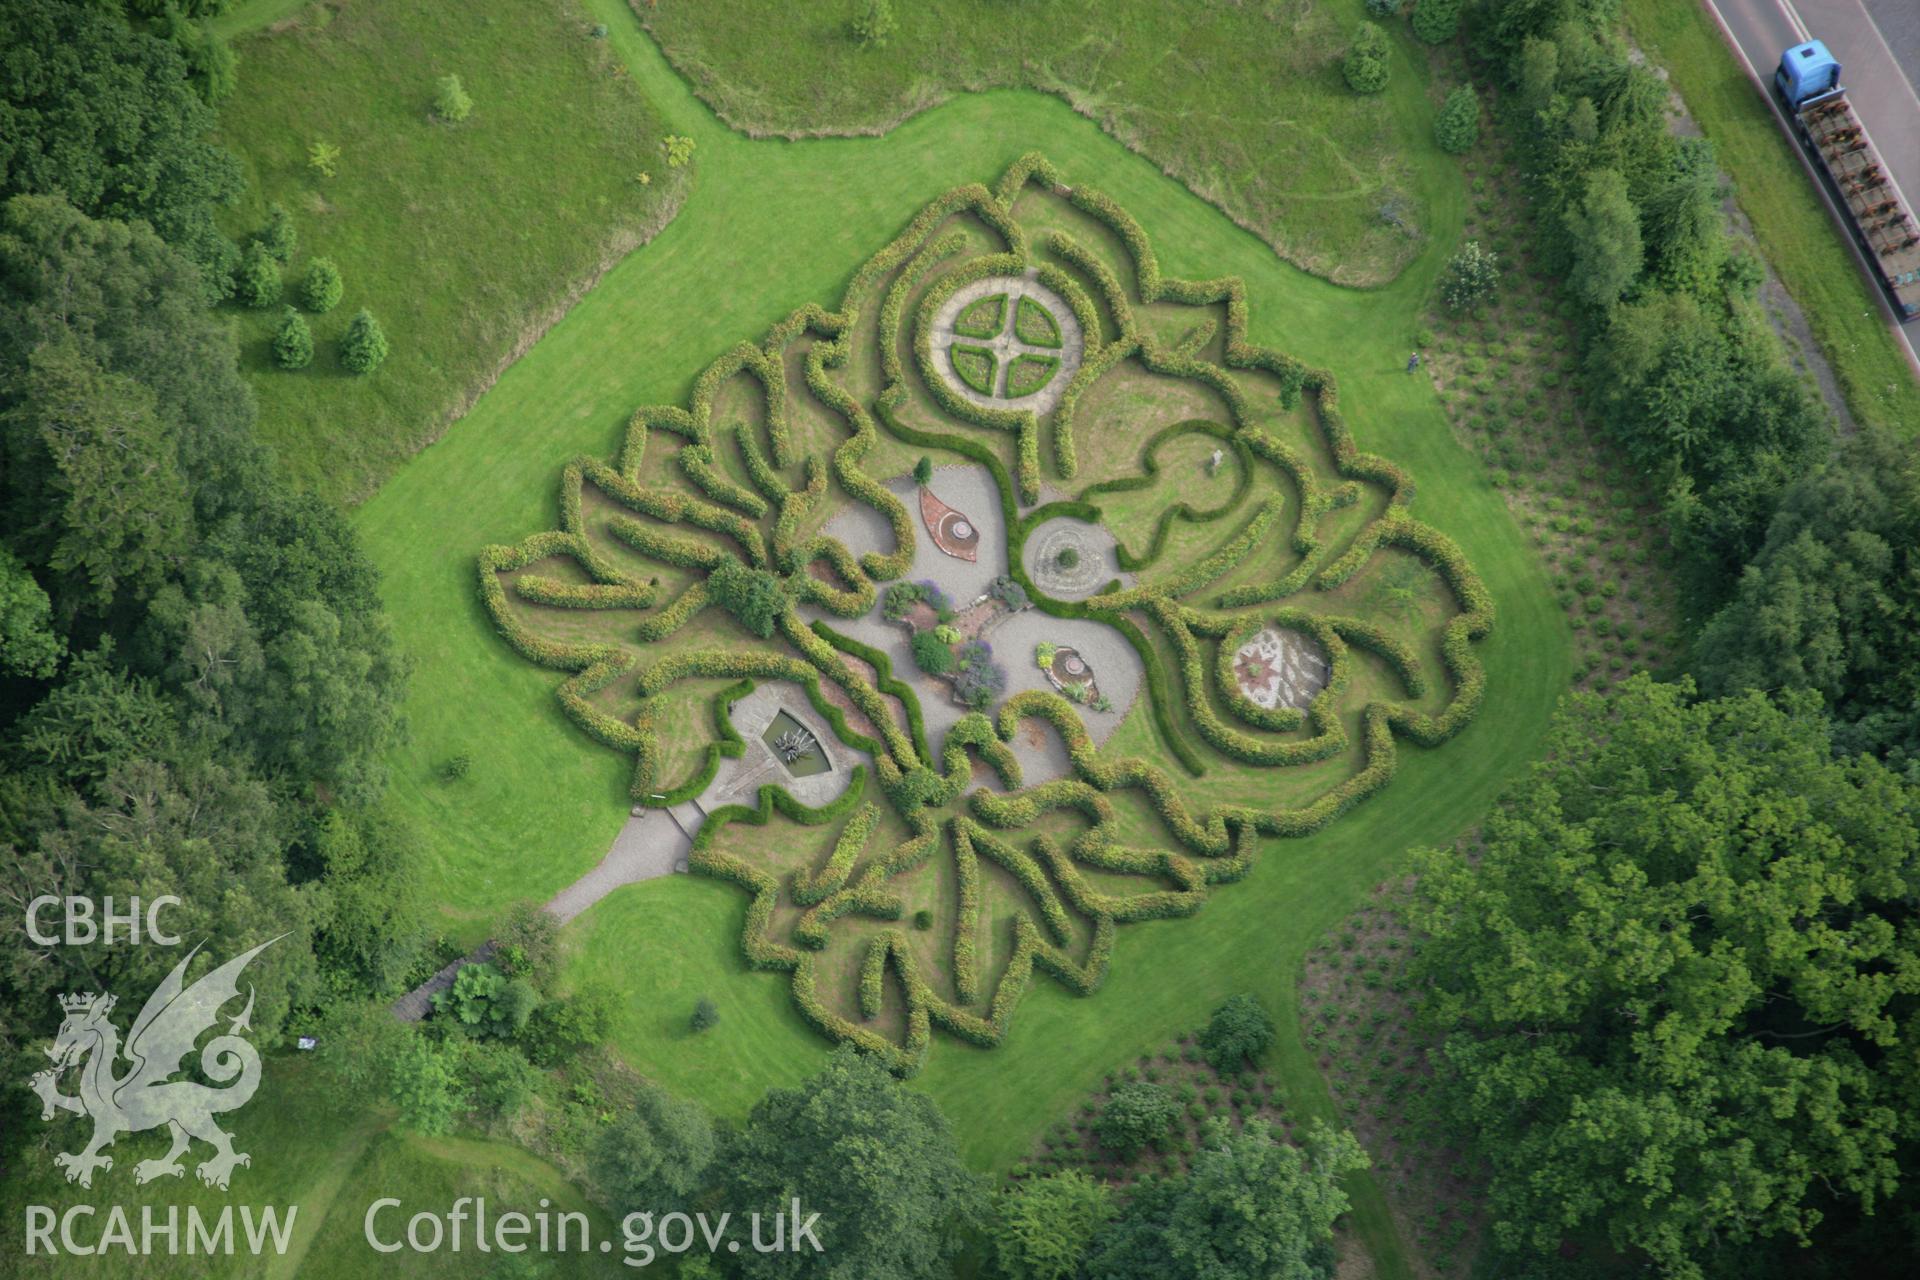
(1879,67)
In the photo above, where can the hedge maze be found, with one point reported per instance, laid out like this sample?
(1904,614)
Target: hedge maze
(931,892)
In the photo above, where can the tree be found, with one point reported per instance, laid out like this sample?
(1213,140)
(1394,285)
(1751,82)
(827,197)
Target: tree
(323,158)
(1456,126)
(1831,602)
(1238,1033)
(29,646)
(1436,21)
(1603,232)
(364,345)
(1249,1208)
(424,1083)
(923,472)
(450,99)
(278,235)
(560,1030)
(1365,65)
(1670,981)
(706,1015)
(90,483)
(1043,1226)
(1135,1115)
(657,1157)
(527,944)
(494,1080)
(931,654)
(293,341)
(1472,276)
(106,117)
(755,597)
(874,1159)
(1682,226)
(257,282)
(320,286)
(875,25)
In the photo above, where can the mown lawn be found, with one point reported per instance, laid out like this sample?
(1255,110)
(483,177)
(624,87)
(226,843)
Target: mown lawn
(466,240)
(770,225)
(1244,102)
(311,1149)
(1795,231)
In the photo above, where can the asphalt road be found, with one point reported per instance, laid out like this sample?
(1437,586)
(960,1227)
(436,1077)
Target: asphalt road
(1880,68)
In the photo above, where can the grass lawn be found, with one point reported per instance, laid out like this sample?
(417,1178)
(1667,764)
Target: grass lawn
(310,1149)
(771,225)
(466,240)
(1246,104)
(1797,235)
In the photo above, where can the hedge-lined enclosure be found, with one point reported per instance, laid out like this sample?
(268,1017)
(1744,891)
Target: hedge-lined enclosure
(697,563)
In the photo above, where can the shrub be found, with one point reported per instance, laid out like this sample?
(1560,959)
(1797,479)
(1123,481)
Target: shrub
(677,148)
(898,600)
(1365,65)
(706,1015)
(323,158)
(1068,558)
(981,679)
(753,596)
(1436,21)
(923,919)
(931,654)
(364,345)
(1238,1032)
(1135,1115)
(257,282)
(875,25)
(1386,8)
(450,99)
(456,768)
(947,633)
(1472,276)
(923,471)
(278,235)
(293,341)
(1008,592)
(320,286)
(1457,125)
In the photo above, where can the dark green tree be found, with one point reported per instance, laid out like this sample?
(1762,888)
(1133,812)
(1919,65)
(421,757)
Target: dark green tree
(1044,1226)
(1832,601)
(706,1015)
(1604,232)
(107,117)
(320,286)
(29,646)
(923,472)
(278,235)
(1456,126)
(931,654)
(1436,21)
(1136,1115)
(92,491)
(293,341)
(658,1156)
(874,1159)
(1249,1208)
(1365,65)
(1237,1034)
(1674,984)
(256,282)
(754,597)
(364,345)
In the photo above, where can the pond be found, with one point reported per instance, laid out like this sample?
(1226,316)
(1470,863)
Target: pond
(786,734)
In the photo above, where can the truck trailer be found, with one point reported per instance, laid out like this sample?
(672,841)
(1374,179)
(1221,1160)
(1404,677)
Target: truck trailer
(1807,82)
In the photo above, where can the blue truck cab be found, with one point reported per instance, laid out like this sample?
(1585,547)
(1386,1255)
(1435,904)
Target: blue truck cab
(1807,73)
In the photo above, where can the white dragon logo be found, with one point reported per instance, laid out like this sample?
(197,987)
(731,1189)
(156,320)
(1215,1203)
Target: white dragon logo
(144,1097)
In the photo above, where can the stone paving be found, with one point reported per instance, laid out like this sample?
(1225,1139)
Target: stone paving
(1007,346)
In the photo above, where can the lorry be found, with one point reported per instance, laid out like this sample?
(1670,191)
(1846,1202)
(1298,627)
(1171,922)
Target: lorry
(1807,83)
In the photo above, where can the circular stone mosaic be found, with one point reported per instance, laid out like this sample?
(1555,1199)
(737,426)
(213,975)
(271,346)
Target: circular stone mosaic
(1280,668)
(1007,342)
(1067,560)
